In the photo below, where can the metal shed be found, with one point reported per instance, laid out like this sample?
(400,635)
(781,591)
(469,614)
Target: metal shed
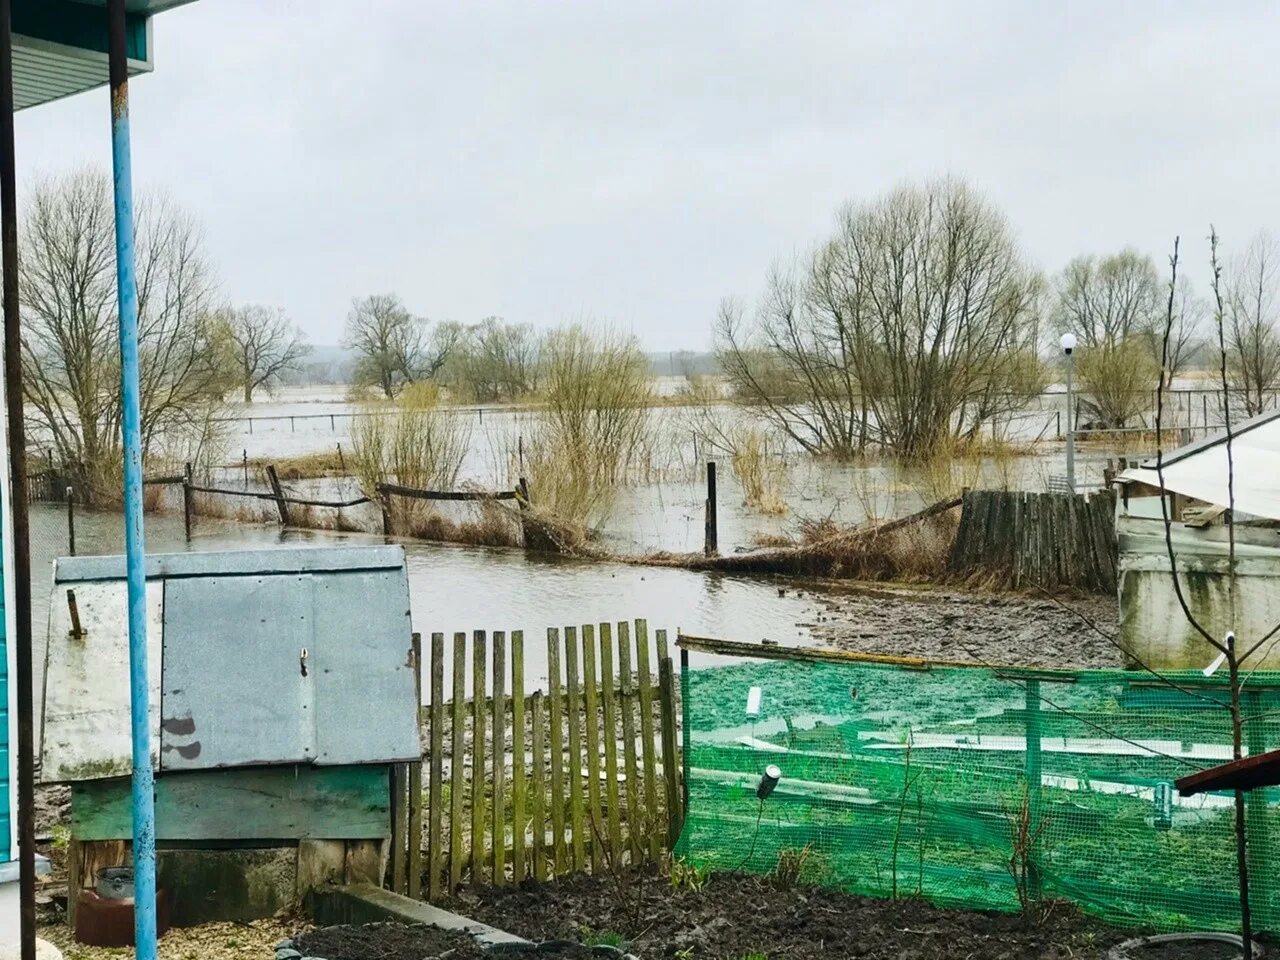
(283,689)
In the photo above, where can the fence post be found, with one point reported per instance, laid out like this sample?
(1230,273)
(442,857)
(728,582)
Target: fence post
(1033,783)
(712,537)
(71,520)
(186,501)
(415,783)
(278,492)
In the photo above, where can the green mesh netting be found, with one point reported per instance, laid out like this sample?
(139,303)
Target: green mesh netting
(915,781)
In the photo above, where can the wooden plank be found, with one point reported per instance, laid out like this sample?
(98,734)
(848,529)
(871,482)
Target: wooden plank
(399,779)
(613,805)
(477,755)
(320,864)
(660,638)
(457,745)
(365,861)
(649,749)
(556,699)
(499,754)
(591,746)
(414,888)
(670,763)
(537,787)
(636,825)
(573,771)
(435,784)
(248,803)
(518,784)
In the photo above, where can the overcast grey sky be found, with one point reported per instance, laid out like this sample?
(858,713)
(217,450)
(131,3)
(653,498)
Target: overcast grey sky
(634,162)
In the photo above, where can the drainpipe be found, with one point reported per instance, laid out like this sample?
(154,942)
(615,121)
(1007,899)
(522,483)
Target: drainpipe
(144,813)
(21,571)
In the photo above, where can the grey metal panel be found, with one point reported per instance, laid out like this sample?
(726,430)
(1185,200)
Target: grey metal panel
(366,700)
(235,562)
(237,686)
(85,724)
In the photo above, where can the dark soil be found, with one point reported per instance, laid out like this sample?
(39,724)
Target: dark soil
(735,916)
(965,626)
(387,941)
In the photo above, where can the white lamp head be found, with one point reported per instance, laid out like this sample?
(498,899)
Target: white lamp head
(1068,342)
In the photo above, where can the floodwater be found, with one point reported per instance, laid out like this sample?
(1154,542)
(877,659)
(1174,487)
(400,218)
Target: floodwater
(662,505)
(457,588)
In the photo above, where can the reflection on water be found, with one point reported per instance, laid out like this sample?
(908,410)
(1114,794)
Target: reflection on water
(454,588)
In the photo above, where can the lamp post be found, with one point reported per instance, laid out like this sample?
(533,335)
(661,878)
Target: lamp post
(1068,342)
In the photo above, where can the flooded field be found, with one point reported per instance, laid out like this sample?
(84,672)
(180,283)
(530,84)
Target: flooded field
(661,507)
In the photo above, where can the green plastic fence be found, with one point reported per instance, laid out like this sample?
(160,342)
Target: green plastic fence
(919,782)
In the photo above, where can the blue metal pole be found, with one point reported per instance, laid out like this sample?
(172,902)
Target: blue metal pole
(144,814)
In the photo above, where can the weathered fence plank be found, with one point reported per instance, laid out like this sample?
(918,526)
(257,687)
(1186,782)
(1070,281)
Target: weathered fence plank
(435,786)
(591,744)
(537,787)
(1046,540)
(478,738)
(557,801)
(644,678)
(414,887)
(498,778)
(610,737)
(456,753)
(518,784)
(574,768)
(670,775)
(631,775)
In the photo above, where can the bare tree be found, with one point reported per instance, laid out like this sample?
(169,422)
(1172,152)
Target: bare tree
(917,321)
(494,360)
(1108,300)
(1112,305)
(1186,333)
(1253,310)
(393,345)
(263,344)
(70,344)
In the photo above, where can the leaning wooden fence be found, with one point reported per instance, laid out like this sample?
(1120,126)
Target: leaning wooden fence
(1049,540)
(584,775)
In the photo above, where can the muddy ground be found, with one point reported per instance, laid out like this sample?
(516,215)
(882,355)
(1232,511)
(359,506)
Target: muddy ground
(937,624)
(736,916)
(386,941)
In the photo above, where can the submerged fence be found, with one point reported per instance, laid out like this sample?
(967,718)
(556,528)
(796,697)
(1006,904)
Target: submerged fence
(583,775)
(1048,540)
(978,787)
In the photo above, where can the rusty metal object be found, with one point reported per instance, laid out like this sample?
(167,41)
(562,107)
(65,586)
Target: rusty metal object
(101,922)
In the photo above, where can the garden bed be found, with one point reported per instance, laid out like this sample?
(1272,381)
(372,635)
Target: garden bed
(736,916)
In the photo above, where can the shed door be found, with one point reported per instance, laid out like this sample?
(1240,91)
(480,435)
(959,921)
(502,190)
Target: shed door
(366,697)
(242,695)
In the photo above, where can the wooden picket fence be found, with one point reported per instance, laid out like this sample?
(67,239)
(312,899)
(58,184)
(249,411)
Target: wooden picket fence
(1045,540)
(585,775)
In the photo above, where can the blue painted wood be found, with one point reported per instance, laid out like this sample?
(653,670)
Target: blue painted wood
(265,803)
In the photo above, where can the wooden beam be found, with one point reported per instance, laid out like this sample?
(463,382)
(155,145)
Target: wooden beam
(260,803)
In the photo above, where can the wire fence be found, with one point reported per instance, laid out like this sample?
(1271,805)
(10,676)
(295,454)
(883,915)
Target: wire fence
(978,787)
